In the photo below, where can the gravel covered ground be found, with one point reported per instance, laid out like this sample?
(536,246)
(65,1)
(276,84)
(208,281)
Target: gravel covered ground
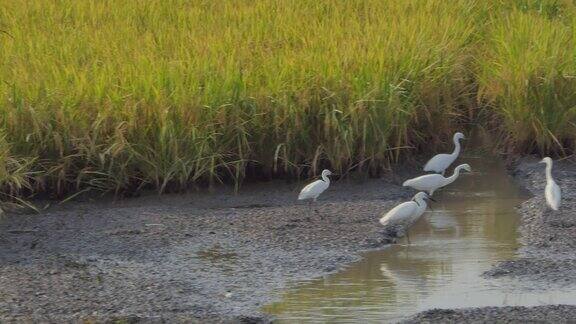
(212,257)
(219,257)
(537,314)
(547,257)
(549,238)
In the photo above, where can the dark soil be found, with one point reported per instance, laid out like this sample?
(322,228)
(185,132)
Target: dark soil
(489,315)
(214,257)
(218,257)
(548,254)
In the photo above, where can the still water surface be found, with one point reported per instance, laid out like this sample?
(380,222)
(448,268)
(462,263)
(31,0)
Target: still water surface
(471,227)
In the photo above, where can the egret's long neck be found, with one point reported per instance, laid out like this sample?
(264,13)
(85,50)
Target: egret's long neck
(421,203)
(325,178)
(549,172)
(456,147)
(453,177)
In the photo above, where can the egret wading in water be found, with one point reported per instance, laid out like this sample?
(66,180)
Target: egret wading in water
(432,182)
(406,214)
(552,190)
(313,190)
(440,162)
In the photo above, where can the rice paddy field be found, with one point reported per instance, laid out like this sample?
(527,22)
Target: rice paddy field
(120,96)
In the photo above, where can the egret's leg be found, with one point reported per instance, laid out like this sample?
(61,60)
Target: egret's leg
(309,210)
(408,236)
(317,212)
(547,214)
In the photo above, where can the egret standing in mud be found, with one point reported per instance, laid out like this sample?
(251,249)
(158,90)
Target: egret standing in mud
(432,182)
(439,163)
(552,190)
(313,190)
(406,214)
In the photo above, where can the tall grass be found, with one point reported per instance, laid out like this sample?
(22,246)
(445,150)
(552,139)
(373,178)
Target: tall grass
(113,95)
(527,73)
(121,95)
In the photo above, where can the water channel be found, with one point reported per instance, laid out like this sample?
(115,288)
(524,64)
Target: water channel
(472,227)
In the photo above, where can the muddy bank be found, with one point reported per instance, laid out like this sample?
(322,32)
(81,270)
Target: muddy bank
(537,314)
(548,253)
(219,257)
(546,259)
(215,257)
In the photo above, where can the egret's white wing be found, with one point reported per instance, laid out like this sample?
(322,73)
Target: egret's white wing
(425,182)
(313,190)
(400,214)
(439,163)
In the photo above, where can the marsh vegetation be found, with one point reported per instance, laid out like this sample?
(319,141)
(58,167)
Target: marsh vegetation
(113,96)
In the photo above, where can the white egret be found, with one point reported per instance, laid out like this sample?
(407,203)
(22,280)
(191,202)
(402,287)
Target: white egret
(440,162)
(432,182)
(406,214)
(314,189)
(552,190)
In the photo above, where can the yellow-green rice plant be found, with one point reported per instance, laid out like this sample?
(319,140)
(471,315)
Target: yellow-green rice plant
(527,75)
(119,95)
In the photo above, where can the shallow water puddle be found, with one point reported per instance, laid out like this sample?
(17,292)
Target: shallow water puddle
(473,226)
